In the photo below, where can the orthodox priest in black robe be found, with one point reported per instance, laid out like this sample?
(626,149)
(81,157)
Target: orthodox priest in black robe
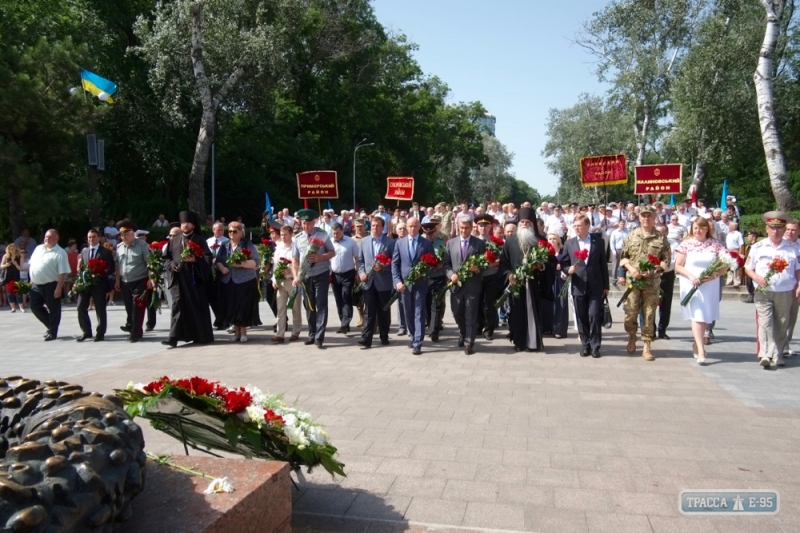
(523,319)
(191,317)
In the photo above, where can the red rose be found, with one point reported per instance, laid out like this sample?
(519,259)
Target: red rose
(272,417)
(654,260)
(246,252)
(12,287)
(156,386)
(582,255)
(97,266)
(490,256)
(266,241)
(383,259)
(196,248)
(430,260)
(498,241)
(156,245)
(237,400)
(545,244)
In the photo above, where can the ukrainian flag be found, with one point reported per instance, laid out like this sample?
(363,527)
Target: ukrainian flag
(95,84)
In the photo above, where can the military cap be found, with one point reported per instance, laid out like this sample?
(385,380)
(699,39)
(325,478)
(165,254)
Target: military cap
(126,225)
(646,210)
(274,224)
(484,219)
(776,219)
(307,215)
(359,222)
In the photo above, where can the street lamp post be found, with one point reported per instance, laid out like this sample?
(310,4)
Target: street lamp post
(359,145)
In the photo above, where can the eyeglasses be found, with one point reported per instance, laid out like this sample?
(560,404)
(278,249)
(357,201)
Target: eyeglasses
(233,231)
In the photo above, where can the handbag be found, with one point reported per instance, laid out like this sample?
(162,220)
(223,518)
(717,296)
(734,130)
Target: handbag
(3,275)
(607,320)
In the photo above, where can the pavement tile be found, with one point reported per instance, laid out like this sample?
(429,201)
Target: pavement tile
(617,523)
(374,483)
(494,516)
(582,499)
(525,494)
(389,449)
(479,455)
(682,524)
(451,470)
(613,481)
(310,523)
(549,520)
(645,503)
(470,491)
(501,473)
(404,467)
(436,511)
(331,502)
(390,507)
(526,458)
(553,477)
(434,452)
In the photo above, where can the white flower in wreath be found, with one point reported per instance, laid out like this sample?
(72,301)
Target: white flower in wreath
(254,413)
(296,436)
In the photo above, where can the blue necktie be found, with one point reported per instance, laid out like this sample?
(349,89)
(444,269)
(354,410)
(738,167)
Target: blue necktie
(412,248)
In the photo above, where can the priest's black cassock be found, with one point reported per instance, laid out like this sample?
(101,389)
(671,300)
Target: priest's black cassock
(191,317)
(523,318)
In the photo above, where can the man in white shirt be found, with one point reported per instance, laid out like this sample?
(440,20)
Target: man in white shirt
(616,239)
(773,303)
(791,236)
(734,242)
(676,231)
(111,232)
(325,223)
(284,251)
(555,223)
(684,217)
(48,269)
(343,270)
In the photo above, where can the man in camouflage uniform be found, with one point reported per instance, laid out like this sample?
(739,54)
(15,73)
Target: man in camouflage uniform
(437,279)
(641,242)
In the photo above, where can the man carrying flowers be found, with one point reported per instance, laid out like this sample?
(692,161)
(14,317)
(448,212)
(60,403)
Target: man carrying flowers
(188,258)
(462,258)
(773,266)
(311,269)
(93,255)
(131,277)
(375,274)
(637,249)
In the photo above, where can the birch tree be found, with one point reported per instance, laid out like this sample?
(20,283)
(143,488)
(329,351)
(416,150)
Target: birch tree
(763,77)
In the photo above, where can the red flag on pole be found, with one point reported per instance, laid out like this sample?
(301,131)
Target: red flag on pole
(694,196)
(305,203)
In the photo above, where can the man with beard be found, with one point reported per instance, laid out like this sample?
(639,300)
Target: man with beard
(523,320)
(191,317)
(491,282)
(436,279)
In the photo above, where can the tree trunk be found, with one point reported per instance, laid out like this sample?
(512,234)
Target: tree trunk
(776,165)
(641,138)
(197,177)
(15,212)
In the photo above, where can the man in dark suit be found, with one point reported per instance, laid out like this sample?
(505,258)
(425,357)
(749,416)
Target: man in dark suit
(589,283)
(407,253)
(465,299)
(98,290)
(378,287)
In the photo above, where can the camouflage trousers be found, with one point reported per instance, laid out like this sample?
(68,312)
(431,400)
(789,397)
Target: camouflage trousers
(646,302)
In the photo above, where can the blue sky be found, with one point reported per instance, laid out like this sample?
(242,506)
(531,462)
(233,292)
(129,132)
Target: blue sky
(515,56)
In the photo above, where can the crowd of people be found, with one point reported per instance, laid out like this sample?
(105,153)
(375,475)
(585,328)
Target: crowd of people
(484,257)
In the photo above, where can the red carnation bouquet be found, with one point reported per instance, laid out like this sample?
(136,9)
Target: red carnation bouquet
(580,256)
(417,272)
(281,268)
(479,262)
(18,287)
(494,245)
(155,269)
(645,266)
(381,259)
(315,244)
(240,255)
(266,250)
(191,249)
(533,261)
(88,275)
(243,420)
(776,266)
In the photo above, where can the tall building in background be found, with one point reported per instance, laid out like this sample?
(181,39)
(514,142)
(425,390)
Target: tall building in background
(488,122)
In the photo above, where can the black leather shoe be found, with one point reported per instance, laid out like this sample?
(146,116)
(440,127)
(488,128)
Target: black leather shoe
(309,342)
(384,342)
(126,329)
(172,343)
(488,335)
(417,351)
(461,342)
(596,353)
(318,344)
(134,338)
(468,350)
(149,328)
(346,330)
(50,337)
(663,336)
(435,337)
(363,344)
(84,337)
(99,338)
(586,352)
(340,330)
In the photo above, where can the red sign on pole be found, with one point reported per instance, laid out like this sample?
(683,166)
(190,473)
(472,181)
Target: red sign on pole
(320,184)
(604,170)
(658,179)
(399,188)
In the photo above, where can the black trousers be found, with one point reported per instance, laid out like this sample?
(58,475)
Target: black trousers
(343,294)
(131,291)
(98,294)
(374,302)
(46,307)
(667,289)
(465,311)
(589,312)
(492,288)
(435,309)
(316,292)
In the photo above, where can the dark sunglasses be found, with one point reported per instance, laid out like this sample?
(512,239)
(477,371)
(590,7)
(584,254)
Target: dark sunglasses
(233,231)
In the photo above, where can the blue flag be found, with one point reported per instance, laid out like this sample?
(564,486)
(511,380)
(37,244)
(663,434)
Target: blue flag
(330,207)
(723,202)
(269,206)
(97,85)
(672,199)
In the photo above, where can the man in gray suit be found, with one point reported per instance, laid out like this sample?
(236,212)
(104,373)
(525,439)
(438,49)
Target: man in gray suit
(407,253)
(379,287)
(464,300)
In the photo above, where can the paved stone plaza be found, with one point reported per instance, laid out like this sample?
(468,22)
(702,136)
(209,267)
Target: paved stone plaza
(497,440)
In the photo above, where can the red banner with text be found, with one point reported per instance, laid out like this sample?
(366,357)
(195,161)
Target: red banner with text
(320,184)
(400,188)
(601,170)
(658,179)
